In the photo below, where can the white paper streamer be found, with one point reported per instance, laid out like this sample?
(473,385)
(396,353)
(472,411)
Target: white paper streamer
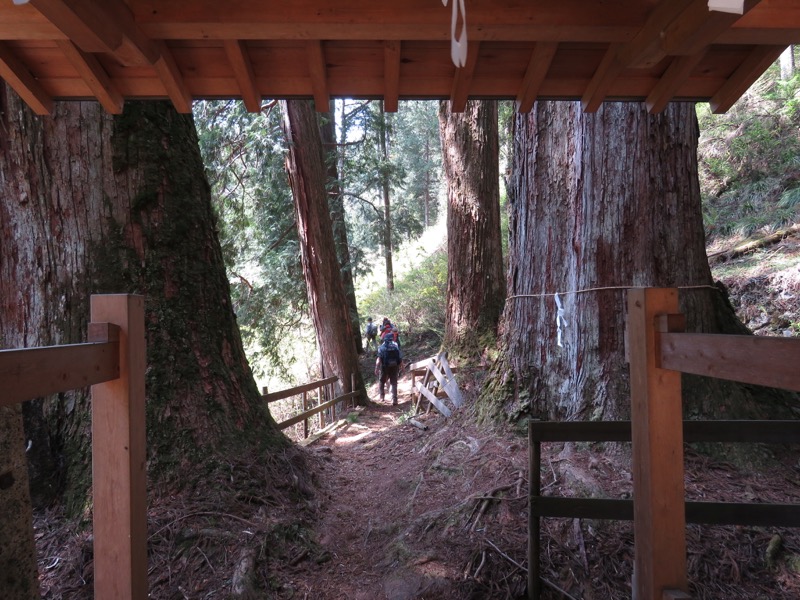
(728,6)
(561,322)
(458,46)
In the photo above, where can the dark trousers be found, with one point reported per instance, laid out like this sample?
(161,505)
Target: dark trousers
(390,373)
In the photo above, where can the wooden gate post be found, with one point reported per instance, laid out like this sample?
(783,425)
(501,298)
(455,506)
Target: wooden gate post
(119,477)
(657,436)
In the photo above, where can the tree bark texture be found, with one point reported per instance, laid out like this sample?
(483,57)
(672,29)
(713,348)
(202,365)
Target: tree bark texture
(336,203)
(18,572)
(475,278)
(98,204)
(305,164)
(597,201)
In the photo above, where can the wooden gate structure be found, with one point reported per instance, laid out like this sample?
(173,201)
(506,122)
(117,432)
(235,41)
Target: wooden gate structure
(658,352)
(113,363)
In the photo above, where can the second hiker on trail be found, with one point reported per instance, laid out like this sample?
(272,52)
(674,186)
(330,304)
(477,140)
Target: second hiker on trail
(372,334)
(387,365)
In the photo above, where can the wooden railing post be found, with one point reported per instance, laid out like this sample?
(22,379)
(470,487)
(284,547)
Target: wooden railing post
(305,421)
(534,522)
(119,457)
(657,437)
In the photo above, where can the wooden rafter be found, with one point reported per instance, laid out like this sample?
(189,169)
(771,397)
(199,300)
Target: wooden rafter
(597,90)
(751,69)
(243,70)
(173,82)
(391,75)
(679,69)
(91,71)
(317,71)
(645,50)
(697,28)
(363,49)
(463,79)
(541,58)
(25,84)
(84,22)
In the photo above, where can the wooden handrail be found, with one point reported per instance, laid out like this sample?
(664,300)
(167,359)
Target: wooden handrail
(312,411)
(745,358)
(295,391)
(30,373)
(764,432)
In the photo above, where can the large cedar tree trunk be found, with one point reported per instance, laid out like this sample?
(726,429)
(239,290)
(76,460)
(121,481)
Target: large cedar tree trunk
(336,203)
(603,200)
(98,204)
(475,278)
(305,164)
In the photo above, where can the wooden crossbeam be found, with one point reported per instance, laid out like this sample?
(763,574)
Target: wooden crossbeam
(391,74)
(297,390)
(317,71)
(744,358)
(697,27)
(677,72)
(92,72)
(84,22)
(462,82)
(541,58)
(737,84)
(609,69)
(440,406)
(20,79)
(645,50)
(34,372)
(243,71)
(171,77)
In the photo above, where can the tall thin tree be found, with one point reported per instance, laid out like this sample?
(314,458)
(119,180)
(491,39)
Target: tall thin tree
(475,277)
(305,164)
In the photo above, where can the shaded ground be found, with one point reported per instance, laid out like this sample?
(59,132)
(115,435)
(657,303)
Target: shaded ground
(388,511)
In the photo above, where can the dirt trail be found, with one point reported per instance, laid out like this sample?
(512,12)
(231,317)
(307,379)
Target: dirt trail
(399,506)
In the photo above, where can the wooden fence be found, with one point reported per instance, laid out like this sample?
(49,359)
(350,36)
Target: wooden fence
(658,353)
(325,388)
(113,363)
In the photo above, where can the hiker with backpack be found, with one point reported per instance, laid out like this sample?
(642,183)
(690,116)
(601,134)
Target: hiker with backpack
(387,365)
(372,334)
(387,327)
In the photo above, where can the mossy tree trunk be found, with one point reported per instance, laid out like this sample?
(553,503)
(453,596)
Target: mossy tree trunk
(327,128)
(475,277)
(305,164)
(18,572)
(98,204)
(597,201)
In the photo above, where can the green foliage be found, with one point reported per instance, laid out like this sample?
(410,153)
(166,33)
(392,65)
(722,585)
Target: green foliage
(749,160)
(417,303)
(244,158)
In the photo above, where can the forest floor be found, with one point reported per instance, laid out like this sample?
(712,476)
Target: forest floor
(398,513)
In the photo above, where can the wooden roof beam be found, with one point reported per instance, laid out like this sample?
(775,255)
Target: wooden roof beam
(737,84)
(644,50)
(462,82)
(82,21)
(171,77)
(243,71)
(317,70)
(22,82)
(538,65)
(391,75)
(91,71)
(697,28)
(597,90)
(678,71)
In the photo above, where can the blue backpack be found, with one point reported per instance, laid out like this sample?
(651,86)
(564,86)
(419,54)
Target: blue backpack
(392,356)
